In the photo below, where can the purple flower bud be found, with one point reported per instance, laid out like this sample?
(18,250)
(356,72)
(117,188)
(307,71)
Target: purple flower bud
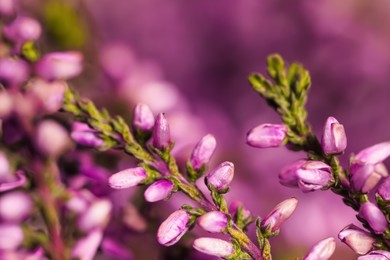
(214,246)
(8,8)
(60,65)
(10,213)
(366,177)
(86,247)
(279,214)
(161,133)
(51,138)
(357,239)
(307,175)
(47,95)
(266,135)
(19,182)
(173,228)
(11,236)
(384,189)
(333,139)
(323,250)
(96,216)
(6,105)
(143,118)
(235,205)
(213,221)
(127,178)
(84,135)
(159,190)
(23,29)
(376,255)
(374,217)
(374,154)
(221,177)
(203,151)
(13,72)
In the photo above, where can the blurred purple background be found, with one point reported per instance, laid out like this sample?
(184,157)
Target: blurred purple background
(191,59)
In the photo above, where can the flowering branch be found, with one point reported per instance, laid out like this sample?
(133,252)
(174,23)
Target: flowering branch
(287,94)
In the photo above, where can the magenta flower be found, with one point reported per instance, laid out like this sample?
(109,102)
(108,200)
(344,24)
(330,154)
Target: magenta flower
(221,177)
(367,176)
(143,118)
(214,246)
(11,236)
(161,133)
(159,190)
(96,216)
(266,135)
(10,185)
(357,239)
(9,212)
(23,29)
(376,255)
(366,167)
(173,228)
(60,65)
(307,175)
(13,72)
(213,221)
(279,214)
(384,189)
(323,250)
(127,178)
(203,151)
(334,139)
(87,247)
(374,217)
(84,135)
(51,138)
(8,8)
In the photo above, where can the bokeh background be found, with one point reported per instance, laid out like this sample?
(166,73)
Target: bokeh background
(191,60)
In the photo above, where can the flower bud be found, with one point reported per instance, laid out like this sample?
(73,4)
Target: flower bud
(213,221)
(10,213)
(173,228)
(127,178)
(19,182)
(203,151)
(376,255)
(159,190)
(143,118)
(23,29)
(51,138)
(307,175)
(384,189)
(161,133)
(374,217)
(357,239)
(11,236)
(214,246)
(374,154)
(8,8)
(60,65)
(366,177)
(84,135)
(96,216)
(235,206)
(279,214)
(221,177)
(87,246)
(47,95)
(13,72)
(333,139)
(323,250)
(266,135)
